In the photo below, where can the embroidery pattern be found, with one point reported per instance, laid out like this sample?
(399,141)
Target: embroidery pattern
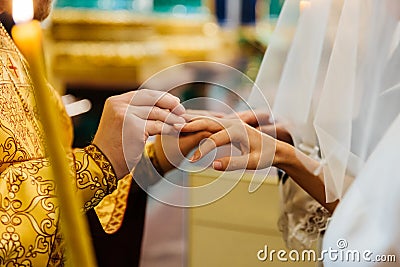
(29,213)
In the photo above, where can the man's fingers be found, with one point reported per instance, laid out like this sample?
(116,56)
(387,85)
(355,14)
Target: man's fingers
(189,117)
(156,113)
(163,100)
(193,114)
(158,127)
(199,112)
(201,124)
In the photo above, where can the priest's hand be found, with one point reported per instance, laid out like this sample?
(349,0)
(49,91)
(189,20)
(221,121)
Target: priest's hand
(257,148)
(129,119)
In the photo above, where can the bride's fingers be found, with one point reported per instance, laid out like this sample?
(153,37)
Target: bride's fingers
(163,100)
(155,113)
(253,117)
(218,139)
(231,163)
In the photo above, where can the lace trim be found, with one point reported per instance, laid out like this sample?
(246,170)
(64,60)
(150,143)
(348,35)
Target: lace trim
(302,233)
(303,219)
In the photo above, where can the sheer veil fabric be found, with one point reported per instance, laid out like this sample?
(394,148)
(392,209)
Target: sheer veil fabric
(291,77)
(360,97)
(295,64)
(330,75)
(274,59)
(367,219)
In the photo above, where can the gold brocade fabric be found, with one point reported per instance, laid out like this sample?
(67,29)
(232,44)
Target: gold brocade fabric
(29,232)
(111,210)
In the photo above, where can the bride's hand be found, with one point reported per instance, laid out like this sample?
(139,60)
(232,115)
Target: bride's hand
(261,120)
(257,149)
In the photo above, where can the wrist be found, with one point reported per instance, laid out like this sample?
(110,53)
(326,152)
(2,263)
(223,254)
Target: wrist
(157,157)
(283,154)
(105,166)
(119,166)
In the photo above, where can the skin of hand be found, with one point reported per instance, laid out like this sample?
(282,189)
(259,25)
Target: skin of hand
(129,119)
(169,150)
(258,151)
(195,113)
(257,148)
(254,118)
(295,163)
(260,120)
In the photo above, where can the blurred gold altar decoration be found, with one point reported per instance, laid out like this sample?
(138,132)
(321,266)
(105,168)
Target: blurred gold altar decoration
(99,48)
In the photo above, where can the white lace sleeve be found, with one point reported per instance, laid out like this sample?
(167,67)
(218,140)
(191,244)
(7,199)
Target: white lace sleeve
(302,218)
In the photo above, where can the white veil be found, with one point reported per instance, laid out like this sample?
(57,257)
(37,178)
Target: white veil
(359,99)
(367,219)
(271,68)
(305,69)
(331,71)
(291,77)
(295,64)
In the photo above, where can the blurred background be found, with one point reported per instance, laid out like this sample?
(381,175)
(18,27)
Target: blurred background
(99,48)
(103,47)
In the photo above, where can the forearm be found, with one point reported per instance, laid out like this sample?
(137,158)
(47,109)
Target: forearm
(175,148)
(300,168)
(163,162)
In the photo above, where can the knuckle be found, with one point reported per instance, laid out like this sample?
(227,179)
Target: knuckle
(155,112)
(152,94)
(143,91)
(110,101)
(150,127)
(158,125)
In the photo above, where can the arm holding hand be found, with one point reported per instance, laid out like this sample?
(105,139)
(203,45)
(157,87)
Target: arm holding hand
(259,151)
